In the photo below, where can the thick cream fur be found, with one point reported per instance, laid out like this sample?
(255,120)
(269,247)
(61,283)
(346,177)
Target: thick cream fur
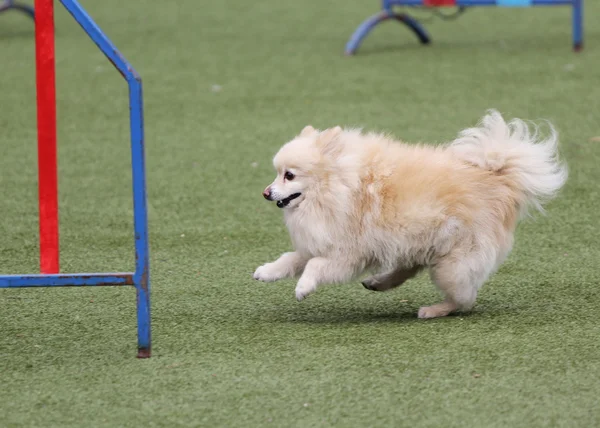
(370,203)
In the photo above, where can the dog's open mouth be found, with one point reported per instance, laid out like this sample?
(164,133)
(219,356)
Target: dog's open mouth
(285,202)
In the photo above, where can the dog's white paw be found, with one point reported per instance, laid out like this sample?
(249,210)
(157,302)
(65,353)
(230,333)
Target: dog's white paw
(304,288)
(267,273)
(427,312)
(436,311)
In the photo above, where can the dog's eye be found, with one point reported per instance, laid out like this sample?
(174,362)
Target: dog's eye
(289,176)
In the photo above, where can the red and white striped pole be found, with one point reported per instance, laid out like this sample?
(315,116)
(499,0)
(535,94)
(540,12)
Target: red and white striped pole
(46,126)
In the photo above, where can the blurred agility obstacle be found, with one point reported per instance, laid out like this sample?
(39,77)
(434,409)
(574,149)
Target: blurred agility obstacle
(11,4)
(387,12)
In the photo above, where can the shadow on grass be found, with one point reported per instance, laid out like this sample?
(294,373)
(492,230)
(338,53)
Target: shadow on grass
(536,44)
(323,314)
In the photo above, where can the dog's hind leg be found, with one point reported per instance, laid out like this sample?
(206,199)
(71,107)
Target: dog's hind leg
(388,280)
(459,278)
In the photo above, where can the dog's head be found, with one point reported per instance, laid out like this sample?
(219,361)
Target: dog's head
(301,165)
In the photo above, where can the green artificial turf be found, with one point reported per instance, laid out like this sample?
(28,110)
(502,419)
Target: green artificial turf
(232,352)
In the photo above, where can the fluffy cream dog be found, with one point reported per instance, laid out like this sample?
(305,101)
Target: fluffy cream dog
(354,202)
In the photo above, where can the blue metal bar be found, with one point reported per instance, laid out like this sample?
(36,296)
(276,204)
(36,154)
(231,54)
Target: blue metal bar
(140,213)
(141,277)
(414,25)
(552,2)
(363,30)
(577,25)
(98,37)
(66,280)
(514,3)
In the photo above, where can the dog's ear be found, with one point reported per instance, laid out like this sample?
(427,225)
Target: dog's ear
(328,140)
(330,135)
(307,130)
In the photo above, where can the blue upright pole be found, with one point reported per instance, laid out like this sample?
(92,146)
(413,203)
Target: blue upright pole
(140,213)
(577,25)
(141,277)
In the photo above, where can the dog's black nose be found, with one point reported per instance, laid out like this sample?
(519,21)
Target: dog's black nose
(267,194)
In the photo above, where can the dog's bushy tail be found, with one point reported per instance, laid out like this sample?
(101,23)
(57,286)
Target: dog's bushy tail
(512,149)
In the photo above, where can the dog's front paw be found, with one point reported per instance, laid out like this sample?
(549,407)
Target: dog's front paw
(304,288)
(267,273)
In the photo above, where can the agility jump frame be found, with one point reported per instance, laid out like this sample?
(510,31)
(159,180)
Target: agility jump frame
(47,172)
(387,13)
(11,4)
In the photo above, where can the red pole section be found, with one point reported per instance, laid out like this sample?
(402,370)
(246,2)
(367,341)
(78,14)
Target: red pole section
(46,125)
